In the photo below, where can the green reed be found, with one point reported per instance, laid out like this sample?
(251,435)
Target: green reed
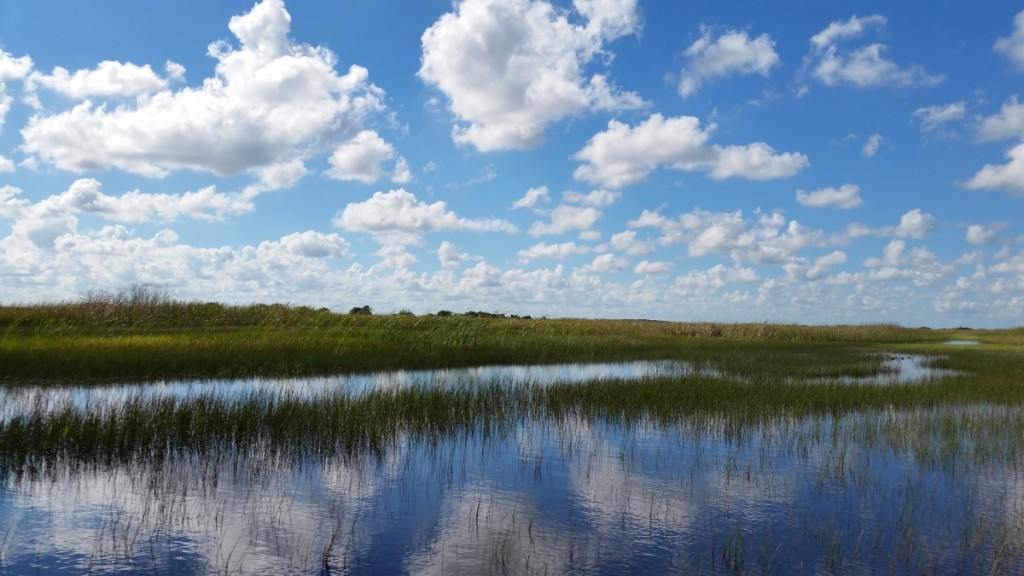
(759,390)
(119,338)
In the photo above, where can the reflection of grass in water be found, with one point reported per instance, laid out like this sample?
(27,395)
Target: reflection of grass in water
(336,422)
(838,448)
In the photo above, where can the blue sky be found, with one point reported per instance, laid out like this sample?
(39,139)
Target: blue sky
(840,162)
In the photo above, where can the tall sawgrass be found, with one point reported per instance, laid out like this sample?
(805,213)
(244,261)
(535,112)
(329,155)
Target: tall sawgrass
(124,337)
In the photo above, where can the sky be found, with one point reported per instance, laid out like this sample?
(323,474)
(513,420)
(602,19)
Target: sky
(830,163)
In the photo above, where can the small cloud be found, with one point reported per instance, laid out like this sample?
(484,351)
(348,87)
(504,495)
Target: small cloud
(607,264)
(979,235)
(398,214)
(915,224)
(863,67)
(551,251)
(1007,124)
(845,197)
(597,198)
(362,159)
(871,146)
(1012,46)
(450,257)
(565,218)
(731,53)
(933,118)
(532,197)
(647,267)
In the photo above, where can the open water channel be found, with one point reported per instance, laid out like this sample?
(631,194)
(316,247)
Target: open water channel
(862,493)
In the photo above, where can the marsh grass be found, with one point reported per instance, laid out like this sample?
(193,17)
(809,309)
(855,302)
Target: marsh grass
(116,337)
(773,395)
(758,387)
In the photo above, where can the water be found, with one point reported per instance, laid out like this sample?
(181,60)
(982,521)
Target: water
(17,400)
(962,342)
(884,491)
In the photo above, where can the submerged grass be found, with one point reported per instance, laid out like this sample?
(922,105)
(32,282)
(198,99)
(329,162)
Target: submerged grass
(339,422)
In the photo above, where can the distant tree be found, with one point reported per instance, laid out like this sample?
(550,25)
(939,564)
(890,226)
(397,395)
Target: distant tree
(444,312)
(364,310)
(136,294)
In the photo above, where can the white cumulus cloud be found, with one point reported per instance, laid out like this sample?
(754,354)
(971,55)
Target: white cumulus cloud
(871,146)
(646,267)
(551,251)
(1009,176)
(1012,46)
(933,118)
(1007,124)
(623,155)
(979,235)
(511,67)
(310,244)
(270,102)
(864,66)
(109,79)
(398,214)
(85,196)
(846,196)
(532,197)
(731,53)
(915,224)
(362,159)
(565,218)
(11,68)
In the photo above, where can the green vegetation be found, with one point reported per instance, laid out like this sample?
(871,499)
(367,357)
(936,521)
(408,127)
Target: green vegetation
(768,415)
(140,333)
(762,371)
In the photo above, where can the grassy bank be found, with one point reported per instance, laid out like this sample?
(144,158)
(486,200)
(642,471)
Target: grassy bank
(128,340)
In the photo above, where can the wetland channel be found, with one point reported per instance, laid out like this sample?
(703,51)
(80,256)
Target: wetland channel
(902,491)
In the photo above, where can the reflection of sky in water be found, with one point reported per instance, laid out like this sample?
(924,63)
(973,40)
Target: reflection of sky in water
(832,494)
(22,399)
(98,398)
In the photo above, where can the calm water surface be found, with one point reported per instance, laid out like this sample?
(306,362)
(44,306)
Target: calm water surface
(904,492)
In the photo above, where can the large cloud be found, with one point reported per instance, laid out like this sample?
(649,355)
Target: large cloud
(731,53)
(623,155)
(271,103)
(511,67)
